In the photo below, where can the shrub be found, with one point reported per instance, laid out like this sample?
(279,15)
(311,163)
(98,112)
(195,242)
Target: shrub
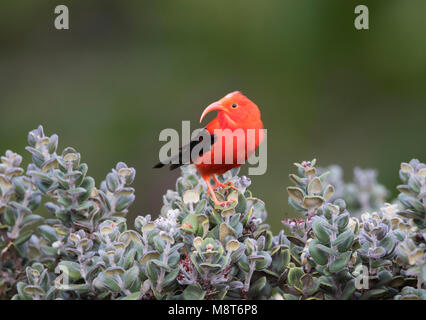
(78,244)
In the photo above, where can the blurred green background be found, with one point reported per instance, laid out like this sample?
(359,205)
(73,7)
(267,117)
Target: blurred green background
(128,69)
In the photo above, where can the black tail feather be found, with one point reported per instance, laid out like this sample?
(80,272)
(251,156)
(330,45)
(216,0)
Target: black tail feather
(158,165)
(175,166)
(189,146)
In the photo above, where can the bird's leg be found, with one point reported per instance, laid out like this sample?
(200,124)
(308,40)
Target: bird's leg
(218,184)
(213,196)
(230,184)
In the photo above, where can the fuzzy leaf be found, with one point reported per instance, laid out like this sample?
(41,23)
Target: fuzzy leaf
(194,292)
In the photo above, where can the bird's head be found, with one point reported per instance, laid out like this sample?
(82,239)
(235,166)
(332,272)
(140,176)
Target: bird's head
(234,108)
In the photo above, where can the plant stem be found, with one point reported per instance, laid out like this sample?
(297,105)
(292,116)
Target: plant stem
(163,271)
(249,275)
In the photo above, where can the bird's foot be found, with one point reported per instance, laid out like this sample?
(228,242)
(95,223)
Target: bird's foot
(223,204)
(219,185)
(211,188)
(231,185)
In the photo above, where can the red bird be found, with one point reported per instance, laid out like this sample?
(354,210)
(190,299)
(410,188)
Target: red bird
(236,116)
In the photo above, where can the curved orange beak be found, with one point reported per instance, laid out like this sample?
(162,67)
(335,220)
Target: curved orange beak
(215,106)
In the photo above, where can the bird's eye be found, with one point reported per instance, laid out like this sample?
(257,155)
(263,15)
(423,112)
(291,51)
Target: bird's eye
(234,105)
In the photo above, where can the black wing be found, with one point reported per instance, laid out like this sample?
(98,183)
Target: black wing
(188,148)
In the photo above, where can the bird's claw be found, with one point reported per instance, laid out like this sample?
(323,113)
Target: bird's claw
(223,204)
(218,185)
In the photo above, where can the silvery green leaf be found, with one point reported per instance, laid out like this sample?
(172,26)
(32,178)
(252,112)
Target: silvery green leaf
(265,262)
(24,236)
(243,264)
(416,205)
(314,186)
(340,262)
(88,184)
(388,243)
(114,271)
(296,180)
(111,182)
(173,259)
(374,294)
(82,168)
(260,229)
(280,260)
(385,277)
(236,255)
(19,185)
(34,201)
(403,188)
(196,262)
(151,271)
(171,276)
(10,216)
(50,164)
(257,286)
(294,277)
(225,230)
(407,168)
(347,243)
(414,184)
(342,221)
(31,138)
(19,207)
(377,253)
(159,243)
(342,237)
(349,290)
(260,243)
(83,206)
(92,270)
(128,258)
(201,206)
(328,192)
(410,214)
(33,290)
(149,256)
(104,199)
(130,276)
(132,296)
(235,285)
(123,202)
(76,192)
(30,220)
(194,292)
(312,202)
(111,283)
(319,226)
(327,250)
(61,180)
(296,194)
(74,287)
(208,265)
(320,257)
(48,251)
(176,247)
(242,204)
(53,143)
(36,153)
